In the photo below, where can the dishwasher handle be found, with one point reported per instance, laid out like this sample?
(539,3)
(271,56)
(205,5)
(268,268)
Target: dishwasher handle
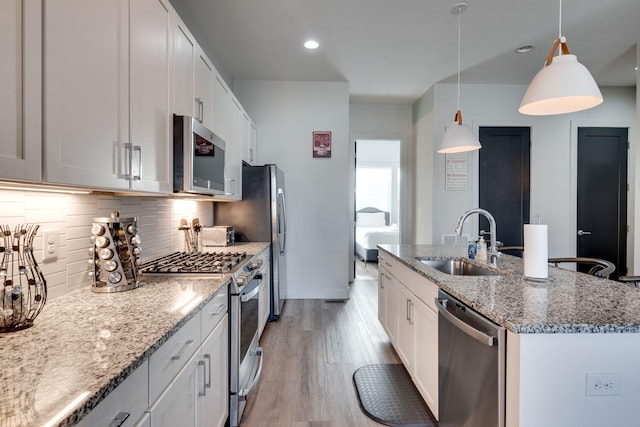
(485,339)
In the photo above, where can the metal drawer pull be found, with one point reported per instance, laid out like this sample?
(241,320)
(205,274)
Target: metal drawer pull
(204,374)
(119,419)
(245,392)
(184,349)
(583,233)
(220,308)
(207,384)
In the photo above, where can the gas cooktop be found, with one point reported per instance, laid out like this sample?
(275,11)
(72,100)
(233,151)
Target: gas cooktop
(194,263)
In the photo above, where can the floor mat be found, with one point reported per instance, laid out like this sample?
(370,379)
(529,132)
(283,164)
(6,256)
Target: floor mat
(388,396)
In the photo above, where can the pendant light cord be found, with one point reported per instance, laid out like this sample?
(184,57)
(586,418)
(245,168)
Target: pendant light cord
(560,21)
(459,18)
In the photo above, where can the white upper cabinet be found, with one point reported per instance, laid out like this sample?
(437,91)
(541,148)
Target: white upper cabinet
(251,152)
(106,91)
(185,52)
(86,92)
(150,73)
(20,91)
(221,107)
(204,89)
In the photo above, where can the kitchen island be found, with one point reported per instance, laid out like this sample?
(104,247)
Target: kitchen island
(85,344)
(560,335)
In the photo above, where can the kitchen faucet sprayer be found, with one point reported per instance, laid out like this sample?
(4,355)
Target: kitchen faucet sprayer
(493,250)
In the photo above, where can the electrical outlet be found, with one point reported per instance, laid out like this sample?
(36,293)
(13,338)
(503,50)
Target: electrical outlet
(605,384)
(49,245)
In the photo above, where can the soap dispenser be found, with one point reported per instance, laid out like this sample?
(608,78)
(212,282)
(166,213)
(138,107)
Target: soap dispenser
(482,250)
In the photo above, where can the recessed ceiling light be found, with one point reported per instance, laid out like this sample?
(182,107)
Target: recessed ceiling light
(311,44)
(526,48)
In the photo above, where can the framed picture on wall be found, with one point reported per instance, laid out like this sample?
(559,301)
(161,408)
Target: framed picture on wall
(322,144)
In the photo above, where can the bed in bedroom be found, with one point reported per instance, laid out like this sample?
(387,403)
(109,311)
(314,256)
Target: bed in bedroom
(373,229)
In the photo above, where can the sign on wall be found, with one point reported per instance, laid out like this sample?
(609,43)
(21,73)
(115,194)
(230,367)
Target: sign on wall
(322,144)
(456,172)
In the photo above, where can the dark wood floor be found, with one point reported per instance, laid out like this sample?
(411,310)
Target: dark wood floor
(311,354)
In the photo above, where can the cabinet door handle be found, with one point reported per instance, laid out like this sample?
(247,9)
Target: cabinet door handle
(200,109)
(184,349)
(207,383)
(232,187)
(204,374)
(410,312)
(137,148)
(119,419)
(408,315)
(387,264)
(219,309)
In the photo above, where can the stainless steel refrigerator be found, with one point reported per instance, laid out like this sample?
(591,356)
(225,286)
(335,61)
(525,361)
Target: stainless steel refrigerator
(261,217)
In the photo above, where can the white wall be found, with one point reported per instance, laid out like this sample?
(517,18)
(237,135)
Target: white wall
(317,190)
(553,142)
(423,137)
(72,216)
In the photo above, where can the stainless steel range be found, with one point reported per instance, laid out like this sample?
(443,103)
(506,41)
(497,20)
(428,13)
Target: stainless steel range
(245,357)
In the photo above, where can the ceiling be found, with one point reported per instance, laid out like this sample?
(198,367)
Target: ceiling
(392,51)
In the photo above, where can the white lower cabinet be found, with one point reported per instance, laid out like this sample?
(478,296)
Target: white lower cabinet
(387,303)
(127,403)
(407,311)
(198,395)
(425,367)
(406,329)
(214,404)
(177,405)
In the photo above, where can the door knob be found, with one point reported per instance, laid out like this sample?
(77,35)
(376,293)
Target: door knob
(583,233)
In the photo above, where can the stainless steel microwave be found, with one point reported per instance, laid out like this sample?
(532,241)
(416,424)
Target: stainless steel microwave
(198,158)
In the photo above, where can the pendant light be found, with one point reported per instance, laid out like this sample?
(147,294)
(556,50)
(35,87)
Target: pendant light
(562,86)
(458,137)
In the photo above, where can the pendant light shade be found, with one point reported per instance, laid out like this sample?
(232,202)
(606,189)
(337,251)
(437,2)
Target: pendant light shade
(562,86)
(458,137)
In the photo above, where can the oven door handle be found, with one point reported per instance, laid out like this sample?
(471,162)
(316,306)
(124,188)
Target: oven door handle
(245,392)
(246,296)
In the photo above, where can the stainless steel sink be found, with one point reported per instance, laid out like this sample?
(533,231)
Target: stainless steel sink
(458,267)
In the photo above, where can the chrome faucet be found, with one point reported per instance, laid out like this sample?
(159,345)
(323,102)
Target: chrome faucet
(493,249)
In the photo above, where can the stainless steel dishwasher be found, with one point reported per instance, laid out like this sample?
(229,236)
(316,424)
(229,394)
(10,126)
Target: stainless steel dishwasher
(471,365)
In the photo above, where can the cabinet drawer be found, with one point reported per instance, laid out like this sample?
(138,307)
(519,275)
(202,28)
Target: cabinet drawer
(167,361)
(214,311)
(128,400)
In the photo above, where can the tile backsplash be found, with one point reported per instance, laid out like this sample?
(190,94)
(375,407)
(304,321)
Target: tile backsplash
(71,216)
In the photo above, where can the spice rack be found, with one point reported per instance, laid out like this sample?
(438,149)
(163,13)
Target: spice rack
(115,255)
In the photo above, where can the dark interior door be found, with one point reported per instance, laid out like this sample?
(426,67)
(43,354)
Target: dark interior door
(602,195)
(504,184)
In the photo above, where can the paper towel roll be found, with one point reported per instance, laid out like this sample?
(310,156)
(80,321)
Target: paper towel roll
(536,252)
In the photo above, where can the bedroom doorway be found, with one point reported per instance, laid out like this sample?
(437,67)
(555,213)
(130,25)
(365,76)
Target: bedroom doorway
(377,196)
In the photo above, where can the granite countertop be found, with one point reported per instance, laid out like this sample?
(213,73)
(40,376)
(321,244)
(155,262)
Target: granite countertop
(88,343)
(569,302)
